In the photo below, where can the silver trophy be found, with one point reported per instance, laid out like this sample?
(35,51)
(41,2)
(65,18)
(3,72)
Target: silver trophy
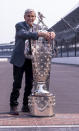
(41,102)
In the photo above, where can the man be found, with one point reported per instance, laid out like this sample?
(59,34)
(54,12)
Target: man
(21,64)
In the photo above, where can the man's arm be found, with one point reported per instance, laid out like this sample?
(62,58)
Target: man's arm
(24,34)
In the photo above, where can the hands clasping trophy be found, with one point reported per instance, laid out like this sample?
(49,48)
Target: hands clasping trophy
(41,102)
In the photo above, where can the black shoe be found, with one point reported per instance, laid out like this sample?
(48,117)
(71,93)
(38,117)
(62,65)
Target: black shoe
(25,109)
(13,110)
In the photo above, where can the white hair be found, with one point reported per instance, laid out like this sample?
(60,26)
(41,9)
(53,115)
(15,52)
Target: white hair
(29,10)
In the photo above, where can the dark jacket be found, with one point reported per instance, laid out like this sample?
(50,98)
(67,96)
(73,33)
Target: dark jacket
(22,34)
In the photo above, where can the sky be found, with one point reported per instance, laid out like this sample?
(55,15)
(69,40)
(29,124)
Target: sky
(12,11)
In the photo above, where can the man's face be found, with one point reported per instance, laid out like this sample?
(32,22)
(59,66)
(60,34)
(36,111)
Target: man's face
(30,18)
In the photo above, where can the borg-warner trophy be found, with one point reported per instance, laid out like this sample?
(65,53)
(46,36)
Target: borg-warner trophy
(41,102)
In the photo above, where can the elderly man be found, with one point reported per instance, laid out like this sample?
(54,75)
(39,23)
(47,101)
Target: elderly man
(24,31)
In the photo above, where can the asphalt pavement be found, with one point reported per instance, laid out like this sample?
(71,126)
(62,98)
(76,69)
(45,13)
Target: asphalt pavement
(66,60)
(64,84)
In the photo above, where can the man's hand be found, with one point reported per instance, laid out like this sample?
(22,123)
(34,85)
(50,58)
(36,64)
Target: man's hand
(52,35)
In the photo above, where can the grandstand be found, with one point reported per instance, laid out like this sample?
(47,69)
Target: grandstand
(6,50)
(67,34)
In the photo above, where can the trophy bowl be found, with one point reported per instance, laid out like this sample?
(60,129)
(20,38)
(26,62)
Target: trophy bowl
(42,54)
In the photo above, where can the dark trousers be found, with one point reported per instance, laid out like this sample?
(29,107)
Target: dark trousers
(18,75)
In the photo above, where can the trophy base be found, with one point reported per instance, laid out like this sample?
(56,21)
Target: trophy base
(42,105)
